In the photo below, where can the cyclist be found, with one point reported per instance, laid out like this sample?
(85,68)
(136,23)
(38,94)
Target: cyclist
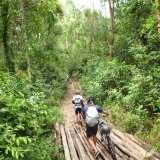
(78,103)
(90,114)
(69,78)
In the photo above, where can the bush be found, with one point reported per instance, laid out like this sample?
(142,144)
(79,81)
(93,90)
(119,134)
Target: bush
(26,120)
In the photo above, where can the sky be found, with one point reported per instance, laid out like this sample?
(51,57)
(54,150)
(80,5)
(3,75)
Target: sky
(88,4)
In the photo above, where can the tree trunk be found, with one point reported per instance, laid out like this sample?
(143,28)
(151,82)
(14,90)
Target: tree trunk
(92,31)
(158,15)
(5,30)
(27,54)
(28,67)
(111,9)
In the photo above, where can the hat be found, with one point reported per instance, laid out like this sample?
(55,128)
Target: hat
(77,92)
(90,100)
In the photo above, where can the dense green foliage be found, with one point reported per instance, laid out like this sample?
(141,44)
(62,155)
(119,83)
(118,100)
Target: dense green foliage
(41,41)
(32,79)
(27,117)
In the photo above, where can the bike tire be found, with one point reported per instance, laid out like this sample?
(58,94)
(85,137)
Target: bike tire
(111,147)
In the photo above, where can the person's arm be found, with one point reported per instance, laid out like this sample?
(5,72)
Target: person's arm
(105,112)
(83,116)
(100,110)
(82,103)
(83,113)
(73,101)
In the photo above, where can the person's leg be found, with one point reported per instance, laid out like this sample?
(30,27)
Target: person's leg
(92,144)
(94,139)
(90,137)
(78,117)
(77,114)
(94,133)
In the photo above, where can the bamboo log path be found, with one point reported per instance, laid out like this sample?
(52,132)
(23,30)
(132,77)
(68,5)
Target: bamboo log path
(72,137)
(76,147)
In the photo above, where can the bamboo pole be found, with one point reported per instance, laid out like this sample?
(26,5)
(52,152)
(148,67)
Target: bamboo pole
(124,149)
(78,145)
(72,149)
(142,144)
(64,142)
(84,143)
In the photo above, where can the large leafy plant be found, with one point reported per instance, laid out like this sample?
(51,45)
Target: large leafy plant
(25,121)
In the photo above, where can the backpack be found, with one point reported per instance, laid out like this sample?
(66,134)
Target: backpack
(77,102)
(68,76)
(92,116)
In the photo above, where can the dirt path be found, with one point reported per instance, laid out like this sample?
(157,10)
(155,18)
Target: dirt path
(67,106)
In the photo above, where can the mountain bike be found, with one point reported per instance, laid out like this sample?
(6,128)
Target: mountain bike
(105,137)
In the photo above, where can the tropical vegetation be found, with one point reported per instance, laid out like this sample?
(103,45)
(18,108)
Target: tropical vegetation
(116,59)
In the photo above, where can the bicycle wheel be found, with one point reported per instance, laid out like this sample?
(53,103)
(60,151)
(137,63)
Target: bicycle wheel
(111,147)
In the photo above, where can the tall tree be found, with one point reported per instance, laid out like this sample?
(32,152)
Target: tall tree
(158,14)
(111,9)
(26,27)
(112,24)
(6,18)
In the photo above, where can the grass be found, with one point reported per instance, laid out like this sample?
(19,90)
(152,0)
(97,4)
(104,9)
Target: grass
(146,130)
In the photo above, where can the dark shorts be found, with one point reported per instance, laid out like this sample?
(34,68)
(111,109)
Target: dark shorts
(78,110)
(90,131)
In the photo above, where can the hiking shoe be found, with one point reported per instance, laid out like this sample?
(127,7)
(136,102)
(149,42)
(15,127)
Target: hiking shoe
(93,151)
(96,154)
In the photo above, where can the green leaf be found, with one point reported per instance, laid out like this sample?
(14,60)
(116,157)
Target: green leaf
(6,151)
(17,141)
(17,155)
(150,153)
(4,109)
(13,152)
(25,140)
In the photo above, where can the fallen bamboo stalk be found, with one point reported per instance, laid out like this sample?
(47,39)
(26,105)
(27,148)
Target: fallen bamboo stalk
(129,144)
(133,149)
(64,142)
(79,148)
(121,154)
(103,152)
(144,145)
(73,153)
(56,133)
(84,143)
(124,149)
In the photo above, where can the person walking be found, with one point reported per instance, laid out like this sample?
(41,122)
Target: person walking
(78,103)
(69,78)
(91,116)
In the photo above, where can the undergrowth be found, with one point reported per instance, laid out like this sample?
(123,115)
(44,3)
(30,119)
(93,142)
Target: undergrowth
(148,131)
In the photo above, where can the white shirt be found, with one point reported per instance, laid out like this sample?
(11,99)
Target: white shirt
(77,96)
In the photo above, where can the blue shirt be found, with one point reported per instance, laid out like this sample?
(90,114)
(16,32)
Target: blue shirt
(85,109)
